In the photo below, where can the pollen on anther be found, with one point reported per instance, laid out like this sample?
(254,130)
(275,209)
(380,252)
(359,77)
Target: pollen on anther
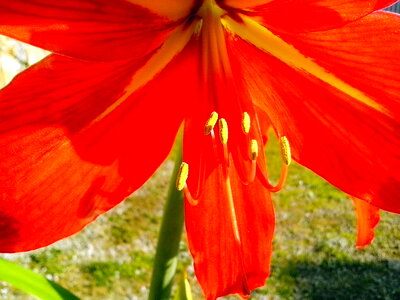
(253,149)
(223,131)
(285,150)
(211,123)
(246,123)
(183,174)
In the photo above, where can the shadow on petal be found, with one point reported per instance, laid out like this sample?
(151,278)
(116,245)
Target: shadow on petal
(9,231)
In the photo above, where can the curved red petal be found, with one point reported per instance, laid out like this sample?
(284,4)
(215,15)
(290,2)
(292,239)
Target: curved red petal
(223,264)
(230,230)
(367,219)
(93,30)
(372,42)
(307,15)
(353,144)
(58,169)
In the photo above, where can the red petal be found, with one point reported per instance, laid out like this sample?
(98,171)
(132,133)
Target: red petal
(172,9)
(94,30)
(58,170)
(352,144)
(222,264)
(367,219)
(307,15)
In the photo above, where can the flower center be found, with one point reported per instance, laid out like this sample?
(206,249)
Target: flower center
(208,8)
(228,105)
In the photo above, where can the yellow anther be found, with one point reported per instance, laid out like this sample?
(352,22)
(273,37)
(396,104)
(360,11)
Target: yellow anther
(223,131)
(246,123)
(183,174)
(285,150)
(211,123)
(253,149)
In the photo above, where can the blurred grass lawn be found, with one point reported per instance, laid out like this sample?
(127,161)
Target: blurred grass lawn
(314,254)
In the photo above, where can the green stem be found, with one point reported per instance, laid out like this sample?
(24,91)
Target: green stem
(166,259)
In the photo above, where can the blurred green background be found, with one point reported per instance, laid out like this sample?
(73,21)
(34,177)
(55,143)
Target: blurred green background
(314,253)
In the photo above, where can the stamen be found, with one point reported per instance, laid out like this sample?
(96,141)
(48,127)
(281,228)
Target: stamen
(211,123)
(286,158)
(253,149)
(246,123)
(189,197)
(214,143)
(285,150)
(253,157)
(232,211)
(282,180)
(223,135)
(223,131)
(183,174)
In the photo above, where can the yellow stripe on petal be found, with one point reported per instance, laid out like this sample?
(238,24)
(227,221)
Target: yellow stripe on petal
(171,47)
(268,42)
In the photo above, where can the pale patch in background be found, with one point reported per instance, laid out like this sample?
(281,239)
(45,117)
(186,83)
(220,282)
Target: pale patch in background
(15,57)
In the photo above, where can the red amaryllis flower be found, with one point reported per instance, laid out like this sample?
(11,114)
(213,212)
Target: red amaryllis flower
(89,124)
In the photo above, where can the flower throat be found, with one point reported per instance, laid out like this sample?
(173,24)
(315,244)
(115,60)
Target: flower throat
(239,143)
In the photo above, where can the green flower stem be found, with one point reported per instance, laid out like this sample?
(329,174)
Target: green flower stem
(166,259)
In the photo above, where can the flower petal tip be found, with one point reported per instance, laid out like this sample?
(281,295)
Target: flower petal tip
(367,219)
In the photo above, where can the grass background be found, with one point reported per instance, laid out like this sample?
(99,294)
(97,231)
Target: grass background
(314,254)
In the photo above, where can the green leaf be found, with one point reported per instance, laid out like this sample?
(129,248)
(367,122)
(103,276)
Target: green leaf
(32,283)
